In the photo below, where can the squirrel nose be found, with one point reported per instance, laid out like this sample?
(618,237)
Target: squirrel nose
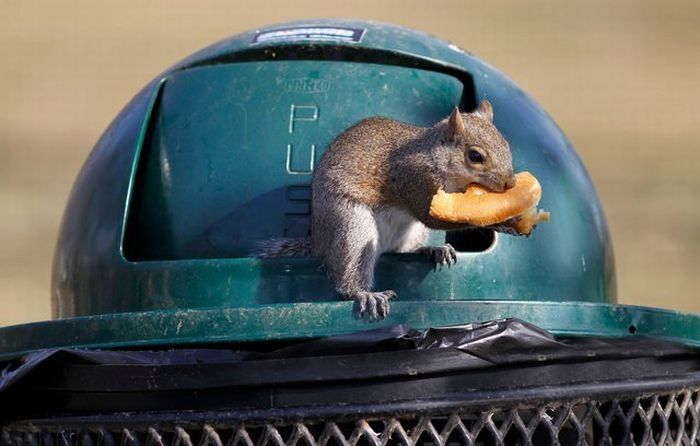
(509,183)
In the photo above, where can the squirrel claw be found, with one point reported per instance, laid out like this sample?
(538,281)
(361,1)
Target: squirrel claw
(372,306)
(444,255)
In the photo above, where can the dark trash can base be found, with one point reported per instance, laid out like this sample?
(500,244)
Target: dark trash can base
(498,383)
(659,418)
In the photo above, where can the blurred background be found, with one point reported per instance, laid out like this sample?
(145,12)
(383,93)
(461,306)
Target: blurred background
(621,78)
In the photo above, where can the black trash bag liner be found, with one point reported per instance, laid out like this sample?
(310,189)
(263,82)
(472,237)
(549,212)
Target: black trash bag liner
(501,341)
(498,342)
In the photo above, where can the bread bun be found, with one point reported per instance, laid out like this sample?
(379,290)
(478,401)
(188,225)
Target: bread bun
(478,206)
(524,223)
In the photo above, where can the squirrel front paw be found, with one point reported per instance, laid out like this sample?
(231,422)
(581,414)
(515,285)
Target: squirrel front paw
(444,255)
(372,305)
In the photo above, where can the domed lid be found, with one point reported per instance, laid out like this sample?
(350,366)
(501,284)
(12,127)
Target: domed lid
(217,153)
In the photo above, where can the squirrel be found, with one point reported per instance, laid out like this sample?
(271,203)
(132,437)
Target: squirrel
(372,190)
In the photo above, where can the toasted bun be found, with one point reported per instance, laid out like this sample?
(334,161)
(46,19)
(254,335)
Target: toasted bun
(479,207)
(524,224)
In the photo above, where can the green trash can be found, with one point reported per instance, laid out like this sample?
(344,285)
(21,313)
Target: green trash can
(217,154)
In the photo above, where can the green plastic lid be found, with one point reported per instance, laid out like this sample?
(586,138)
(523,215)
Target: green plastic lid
(217,154)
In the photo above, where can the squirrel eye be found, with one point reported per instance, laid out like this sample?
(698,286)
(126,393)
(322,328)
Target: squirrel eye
(475,156)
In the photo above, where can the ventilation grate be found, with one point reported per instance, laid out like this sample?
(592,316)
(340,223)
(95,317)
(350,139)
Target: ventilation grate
(661,419)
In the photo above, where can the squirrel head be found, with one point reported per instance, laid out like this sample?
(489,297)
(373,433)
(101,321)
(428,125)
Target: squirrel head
(474,151)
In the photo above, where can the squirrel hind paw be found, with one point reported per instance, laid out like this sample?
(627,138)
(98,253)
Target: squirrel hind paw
(372,306)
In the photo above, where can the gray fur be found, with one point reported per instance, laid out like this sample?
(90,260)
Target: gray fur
(372,190)
(283,247)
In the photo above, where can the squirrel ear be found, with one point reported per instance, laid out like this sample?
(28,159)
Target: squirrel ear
(455,125)
(485,110)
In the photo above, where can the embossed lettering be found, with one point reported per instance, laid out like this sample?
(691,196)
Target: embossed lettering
(300,113)
(311,154)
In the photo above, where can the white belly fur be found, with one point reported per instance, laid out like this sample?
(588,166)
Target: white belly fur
(398,231)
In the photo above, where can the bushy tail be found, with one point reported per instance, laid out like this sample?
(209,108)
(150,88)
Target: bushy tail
(283,247)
